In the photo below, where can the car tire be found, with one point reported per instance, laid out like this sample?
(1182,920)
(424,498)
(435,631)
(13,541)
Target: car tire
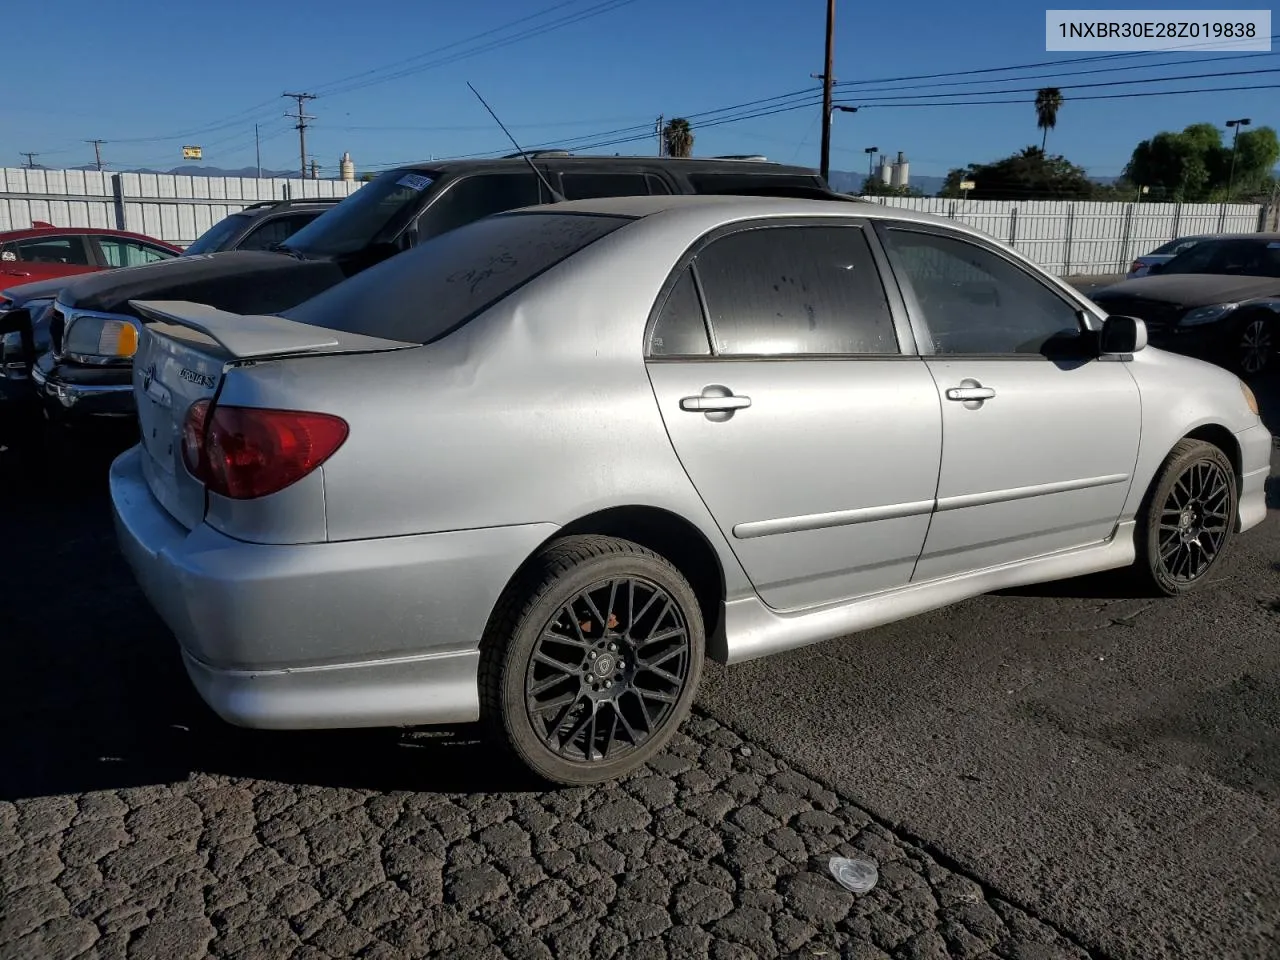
(1187,520)
(628,661)
(1254,344)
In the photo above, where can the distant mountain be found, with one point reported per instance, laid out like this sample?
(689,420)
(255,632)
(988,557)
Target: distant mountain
(845,182)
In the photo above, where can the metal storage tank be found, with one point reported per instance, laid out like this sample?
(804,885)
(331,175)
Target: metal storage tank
(347,167)
(901,171)
(886,170)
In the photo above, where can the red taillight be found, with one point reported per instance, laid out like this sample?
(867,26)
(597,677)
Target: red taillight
(245,452)
(1136,265)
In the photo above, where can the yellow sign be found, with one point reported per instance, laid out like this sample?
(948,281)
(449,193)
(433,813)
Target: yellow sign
(192,153)
(967,184)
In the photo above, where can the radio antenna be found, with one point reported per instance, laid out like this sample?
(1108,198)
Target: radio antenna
(555,196)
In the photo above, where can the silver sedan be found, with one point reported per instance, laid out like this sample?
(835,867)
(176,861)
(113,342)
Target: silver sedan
(538,468)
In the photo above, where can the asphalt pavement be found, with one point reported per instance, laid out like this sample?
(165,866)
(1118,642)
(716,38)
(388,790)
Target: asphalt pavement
(1059,772)
(1111,763)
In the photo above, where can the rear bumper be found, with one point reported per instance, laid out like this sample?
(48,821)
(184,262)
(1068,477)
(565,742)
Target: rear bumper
(351,634)
(1255,467)
(68,391)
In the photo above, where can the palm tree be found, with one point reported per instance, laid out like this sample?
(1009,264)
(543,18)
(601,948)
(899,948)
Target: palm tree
(678,137)
(1048,103)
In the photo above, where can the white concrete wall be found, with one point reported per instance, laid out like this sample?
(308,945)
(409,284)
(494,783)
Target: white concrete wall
(168,207)
(1085,237)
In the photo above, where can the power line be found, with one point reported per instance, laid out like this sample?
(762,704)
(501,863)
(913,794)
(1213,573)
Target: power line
(323,88)
(816,102)
(1084,86)
(1074,73)
(801,99)
(1096,96)
(327,89)
(1038,63)
(608,6)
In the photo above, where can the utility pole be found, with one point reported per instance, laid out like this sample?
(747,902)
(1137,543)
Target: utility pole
(1236,125)
(662,147)
(827,80)
(301,127)
(31,158)
(97,151)
(257,150)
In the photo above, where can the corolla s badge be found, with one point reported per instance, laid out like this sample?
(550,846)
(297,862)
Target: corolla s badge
(199,379)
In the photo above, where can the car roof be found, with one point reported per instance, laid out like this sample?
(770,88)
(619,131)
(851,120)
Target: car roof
(1270,237)
(30,232)
(698,207)
(762,168)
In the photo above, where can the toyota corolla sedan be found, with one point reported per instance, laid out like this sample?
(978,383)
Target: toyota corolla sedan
(535,470)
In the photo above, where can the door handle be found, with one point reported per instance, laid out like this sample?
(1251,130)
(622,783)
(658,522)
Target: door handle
(970,393)
(706,404)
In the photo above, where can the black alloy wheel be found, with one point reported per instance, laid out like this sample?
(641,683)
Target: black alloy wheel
(593,660)
(608,669)
(1189,517)
(1255,345)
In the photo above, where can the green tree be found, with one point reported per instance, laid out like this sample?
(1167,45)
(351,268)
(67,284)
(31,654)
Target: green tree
(875,187)
(1028,175)
(1194,166)
(678,136)
(1048,103)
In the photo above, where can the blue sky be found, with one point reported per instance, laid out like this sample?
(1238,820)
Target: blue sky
(148,76)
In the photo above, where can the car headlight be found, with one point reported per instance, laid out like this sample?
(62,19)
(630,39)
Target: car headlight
(100,338)
(1251,401)
(1206,314)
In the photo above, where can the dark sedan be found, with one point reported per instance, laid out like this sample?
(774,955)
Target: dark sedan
(1219,301)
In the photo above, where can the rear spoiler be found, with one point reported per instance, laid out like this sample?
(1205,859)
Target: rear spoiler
(258,335)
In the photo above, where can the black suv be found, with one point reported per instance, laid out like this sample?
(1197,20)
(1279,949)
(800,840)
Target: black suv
(92,327)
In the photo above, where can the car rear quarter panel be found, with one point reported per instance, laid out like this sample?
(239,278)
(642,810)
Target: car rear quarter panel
(1180,395)
(539,411)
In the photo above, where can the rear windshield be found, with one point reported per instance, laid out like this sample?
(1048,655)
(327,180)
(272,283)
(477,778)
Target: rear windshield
(1175,247)
(217,236)
(427,292)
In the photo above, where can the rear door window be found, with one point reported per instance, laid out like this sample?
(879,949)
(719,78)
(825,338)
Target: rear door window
(472,198)
(681,329)
(795,291)
(427,292)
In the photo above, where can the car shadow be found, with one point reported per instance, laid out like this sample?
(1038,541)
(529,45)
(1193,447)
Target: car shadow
(93,694)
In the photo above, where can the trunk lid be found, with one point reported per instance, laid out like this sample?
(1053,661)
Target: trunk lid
(185,352)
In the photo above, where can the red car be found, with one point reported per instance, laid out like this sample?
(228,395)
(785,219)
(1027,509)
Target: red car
(46,252)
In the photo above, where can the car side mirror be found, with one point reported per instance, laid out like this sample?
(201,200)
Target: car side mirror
(1122,336)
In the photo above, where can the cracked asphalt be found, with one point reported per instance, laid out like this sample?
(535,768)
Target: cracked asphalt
(1061,772)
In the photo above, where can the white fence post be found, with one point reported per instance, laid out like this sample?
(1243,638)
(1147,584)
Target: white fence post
(1066,252)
